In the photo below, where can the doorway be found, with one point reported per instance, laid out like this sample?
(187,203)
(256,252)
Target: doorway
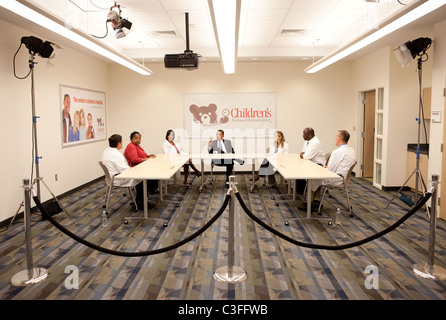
(368,134)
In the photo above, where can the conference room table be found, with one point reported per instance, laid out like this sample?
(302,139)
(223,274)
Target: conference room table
(164,166)
(292,168)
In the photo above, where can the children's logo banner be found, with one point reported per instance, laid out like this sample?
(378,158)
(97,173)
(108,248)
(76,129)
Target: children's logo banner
(82,114)
(250,115)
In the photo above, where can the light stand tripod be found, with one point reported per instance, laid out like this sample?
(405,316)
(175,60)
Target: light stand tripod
(416,171)
(35,155)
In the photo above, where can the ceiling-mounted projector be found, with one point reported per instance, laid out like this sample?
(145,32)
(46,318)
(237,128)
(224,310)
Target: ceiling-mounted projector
(188,59)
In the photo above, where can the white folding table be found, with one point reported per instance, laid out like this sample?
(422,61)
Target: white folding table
(161,168)
(293,168)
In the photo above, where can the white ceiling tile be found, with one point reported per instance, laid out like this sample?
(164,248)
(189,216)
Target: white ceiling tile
(315,4)
(267,14)
(286,42)
(184,5)
(268,4)
(254,42)
(306,13)
(137,5)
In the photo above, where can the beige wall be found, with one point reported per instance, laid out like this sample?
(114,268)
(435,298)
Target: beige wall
(75,166)
(154,104)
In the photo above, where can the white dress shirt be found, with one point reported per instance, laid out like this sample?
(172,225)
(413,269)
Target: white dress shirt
(341,160)
(117,163)
(313,151)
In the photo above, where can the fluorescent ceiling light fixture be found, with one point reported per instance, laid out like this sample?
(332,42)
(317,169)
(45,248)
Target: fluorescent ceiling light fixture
(394,24)
(53,26)
(225,15)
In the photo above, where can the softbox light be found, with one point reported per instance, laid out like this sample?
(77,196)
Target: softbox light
(37,46)
(407,52)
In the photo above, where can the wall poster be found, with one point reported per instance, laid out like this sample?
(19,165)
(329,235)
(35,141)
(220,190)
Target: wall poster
(82,114)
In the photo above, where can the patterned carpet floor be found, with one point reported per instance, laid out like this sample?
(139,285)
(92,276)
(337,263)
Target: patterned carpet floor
(276,269)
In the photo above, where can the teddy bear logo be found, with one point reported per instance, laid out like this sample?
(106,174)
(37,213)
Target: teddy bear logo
(207,115)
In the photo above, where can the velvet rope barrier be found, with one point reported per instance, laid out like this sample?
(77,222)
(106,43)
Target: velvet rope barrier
(338,247)
(132,254)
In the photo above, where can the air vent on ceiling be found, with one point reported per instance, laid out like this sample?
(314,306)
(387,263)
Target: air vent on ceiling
(292,32)
(164,34)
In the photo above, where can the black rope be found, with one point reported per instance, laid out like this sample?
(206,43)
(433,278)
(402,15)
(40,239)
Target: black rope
(132,254)
(420,203)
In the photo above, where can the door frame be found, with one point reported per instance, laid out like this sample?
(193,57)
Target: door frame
(360,141)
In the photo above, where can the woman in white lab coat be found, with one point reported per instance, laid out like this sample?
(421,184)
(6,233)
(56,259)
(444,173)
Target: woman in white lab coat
(170,147)
(266,169)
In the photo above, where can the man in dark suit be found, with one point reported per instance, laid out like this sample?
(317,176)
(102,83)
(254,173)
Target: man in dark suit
(221,145)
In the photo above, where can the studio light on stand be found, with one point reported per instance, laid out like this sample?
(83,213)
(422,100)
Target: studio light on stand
(32,275)
(406,53)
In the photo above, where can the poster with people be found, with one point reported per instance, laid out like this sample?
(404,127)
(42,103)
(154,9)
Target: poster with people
(82,116)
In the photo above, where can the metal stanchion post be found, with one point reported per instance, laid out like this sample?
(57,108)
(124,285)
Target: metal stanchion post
(429,270)
(231,273)
(31,275)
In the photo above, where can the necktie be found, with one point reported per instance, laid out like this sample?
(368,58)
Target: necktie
(219,145)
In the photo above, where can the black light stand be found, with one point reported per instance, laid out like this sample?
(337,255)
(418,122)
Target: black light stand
(416,171)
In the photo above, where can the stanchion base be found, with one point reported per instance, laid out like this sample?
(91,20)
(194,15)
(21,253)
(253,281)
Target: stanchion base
(238,275)
(434,273)
(21,278)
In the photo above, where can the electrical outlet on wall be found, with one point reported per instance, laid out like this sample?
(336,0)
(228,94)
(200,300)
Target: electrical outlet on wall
(56,177)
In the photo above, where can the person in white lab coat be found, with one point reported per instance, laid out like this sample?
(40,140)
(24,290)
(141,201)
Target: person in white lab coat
(171,147)
(116,163)
(266,169)
(341,159)
(312,150)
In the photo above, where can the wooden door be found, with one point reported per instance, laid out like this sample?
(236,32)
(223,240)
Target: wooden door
(368,134)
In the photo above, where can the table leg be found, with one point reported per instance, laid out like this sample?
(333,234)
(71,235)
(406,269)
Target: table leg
(202,174)
(160,188)
(144,184)
(309,183)
(253,174)
(294,189)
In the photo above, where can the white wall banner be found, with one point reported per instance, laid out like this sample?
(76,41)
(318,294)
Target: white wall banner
(240,115)
(82,114)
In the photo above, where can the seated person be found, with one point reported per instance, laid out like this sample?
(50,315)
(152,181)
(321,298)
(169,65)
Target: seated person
(340,161)
(266,169)
(312,150)
(221,145)
(116,163)
(136,155)
(170,147)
